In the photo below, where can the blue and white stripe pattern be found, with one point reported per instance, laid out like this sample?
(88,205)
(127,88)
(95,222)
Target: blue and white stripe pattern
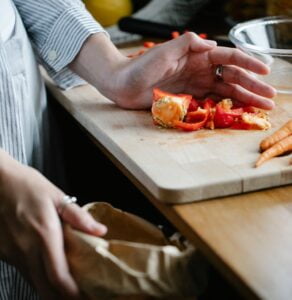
(13,286)
(11,138)
(57,30)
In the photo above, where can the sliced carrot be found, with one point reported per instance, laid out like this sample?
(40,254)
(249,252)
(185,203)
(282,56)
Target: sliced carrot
(280,134)
(175,34)
(149,44)
(281,147)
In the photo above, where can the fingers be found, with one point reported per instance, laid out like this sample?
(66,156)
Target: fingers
(82,220)
(53,257)
(230,56)
(198,44)
(235,75)
(237,92)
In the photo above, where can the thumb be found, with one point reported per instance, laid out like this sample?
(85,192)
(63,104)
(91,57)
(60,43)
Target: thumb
(81,220)
(186,43)
(197,44)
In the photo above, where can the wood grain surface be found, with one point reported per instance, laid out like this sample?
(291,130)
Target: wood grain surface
(248,236)
(175,166)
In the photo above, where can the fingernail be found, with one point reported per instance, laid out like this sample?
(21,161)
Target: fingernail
(270,104)
(99,228)
(210,43)
(273,92)
(273,104)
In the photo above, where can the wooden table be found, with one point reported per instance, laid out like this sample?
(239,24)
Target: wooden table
(248,236)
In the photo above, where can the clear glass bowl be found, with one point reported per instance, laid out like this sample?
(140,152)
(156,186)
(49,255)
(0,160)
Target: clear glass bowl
(270,40)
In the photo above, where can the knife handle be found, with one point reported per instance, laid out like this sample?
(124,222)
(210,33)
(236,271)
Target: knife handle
(147,28)
(158,30)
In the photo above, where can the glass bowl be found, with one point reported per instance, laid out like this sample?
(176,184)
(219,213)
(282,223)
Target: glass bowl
(270,40)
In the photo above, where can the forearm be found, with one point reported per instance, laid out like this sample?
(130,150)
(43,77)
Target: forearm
(6,163)
(97,62)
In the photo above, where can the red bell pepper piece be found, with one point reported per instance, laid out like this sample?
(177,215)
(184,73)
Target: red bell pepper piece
(189,126)
(194,105)
(195,116)
(226,118)
(198,125)
(203,35)
(222,118)
(223,121)
(241,126)
(210,101)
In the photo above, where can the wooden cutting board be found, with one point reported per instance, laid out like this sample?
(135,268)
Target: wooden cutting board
(177,166)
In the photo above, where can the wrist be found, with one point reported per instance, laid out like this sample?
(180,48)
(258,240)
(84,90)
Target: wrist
(7,165)
(99,62)
(4,160)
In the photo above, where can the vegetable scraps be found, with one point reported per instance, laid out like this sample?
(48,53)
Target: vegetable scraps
(182,111)
(280,142)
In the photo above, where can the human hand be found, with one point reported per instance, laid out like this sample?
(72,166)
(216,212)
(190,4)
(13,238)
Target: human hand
(187,65)
(31,235)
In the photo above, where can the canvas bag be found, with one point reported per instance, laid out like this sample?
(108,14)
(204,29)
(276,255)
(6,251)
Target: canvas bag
(133,258)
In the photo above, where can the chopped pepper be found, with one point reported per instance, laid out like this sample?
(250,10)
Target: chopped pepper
(194,105)
(189,126)
(203,35)
(149,44)
(168,108)
(181,111)
(203,114)
(223,118)
(175,34)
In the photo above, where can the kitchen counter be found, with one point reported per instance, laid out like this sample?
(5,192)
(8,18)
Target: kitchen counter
(247,236)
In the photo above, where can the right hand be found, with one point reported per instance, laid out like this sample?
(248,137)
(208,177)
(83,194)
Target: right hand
(31,236)
(185,65)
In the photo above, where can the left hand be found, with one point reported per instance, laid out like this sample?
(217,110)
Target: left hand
(187,65)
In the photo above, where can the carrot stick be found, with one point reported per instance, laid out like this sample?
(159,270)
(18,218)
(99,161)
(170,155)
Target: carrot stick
(279,148)
(278,135)
(175,34)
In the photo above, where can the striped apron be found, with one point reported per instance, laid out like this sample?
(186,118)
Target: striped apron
(22,111)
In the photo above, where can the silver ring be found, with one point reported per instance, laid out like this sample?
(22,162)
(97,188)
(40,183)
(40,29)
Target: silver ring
(219,72)
(66,200)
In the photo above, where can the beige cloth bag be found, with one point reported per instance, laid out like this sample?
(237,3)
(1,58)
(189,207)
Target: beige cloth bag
(134,258)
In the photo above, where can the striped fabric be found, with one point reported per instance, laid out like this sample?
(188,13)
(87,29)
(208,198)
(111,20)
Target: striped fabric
(13,286)
(57,30)
(11,137)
